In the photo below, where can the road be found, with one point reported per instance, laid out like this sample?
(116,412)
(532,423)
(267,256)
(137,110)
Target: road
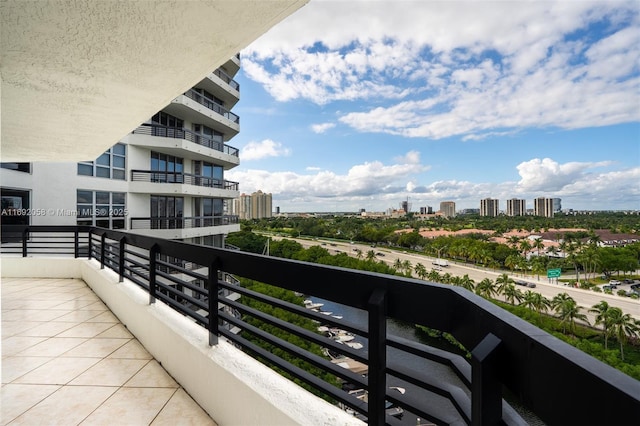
(584,298)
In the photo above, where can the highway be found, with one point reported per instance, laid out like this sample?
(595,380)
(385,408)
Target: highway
(584,298)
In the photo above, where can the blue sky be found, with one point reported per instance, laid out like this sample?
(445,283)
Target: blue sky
(363,104)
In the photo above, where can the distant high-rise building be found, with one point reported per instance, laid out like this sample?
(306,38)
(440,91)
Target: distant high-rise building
(516,207)
(489,207)
(448,208)
(405,206)
(557,205)
(426,210)
(254,206)
(543,207)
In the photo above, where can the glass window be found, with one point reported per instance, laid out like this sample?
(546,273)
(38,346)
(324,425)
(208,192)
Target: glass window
(104,159)
(118,162)
(118,174)
(110,165)
(85,197)
(118,197)
(119,149)
(85,169)
(101,208)
(102,172)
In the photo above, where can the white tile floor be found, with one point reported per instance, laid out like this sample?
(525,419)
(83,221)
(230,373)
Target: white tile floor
(67,360)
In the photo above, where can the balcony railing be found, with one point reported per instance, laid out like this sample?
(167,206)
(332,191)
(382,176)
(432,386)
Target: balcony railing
(182,178)
(182,222)
(227,79)
(212,105)
(549,377)
(178,133)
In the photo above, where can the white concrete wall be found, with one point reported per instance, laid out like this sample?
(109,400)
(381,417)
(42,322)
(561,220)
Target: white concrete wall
(232,387)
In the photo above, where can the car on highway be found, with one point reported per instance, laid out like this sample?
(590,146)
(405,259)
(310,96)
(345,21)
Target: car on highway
(380,254)
(614,282)
(531,285)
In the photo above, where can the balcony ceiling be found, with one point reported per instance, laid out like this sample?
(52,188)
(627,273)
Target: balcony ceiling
(78,76)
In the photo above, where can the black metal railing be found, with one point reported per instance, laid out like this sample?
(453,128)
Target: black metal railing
(172,222)
(182,178)
(212,105)
(227,79)
(549,377)
(188,135)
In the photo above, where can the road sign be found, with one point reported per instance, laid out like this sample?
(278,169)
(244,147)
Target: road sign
(554,273)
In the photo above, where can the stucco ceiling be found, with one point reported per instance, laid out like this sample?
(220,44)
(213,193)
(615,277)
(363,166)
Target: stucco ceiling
(79,75)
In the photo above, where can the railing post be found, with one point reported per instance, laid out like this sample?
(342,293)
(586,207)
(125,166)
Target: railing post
(25,232)
(486,389)
(212,284)
(76,244)
(123,242)
(377,385)
(90,243)
(103,244)
(153,252)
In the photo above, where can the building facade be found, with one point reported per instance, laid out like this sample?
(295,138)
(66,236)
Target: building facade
(516,207)
(543,207)
(255,206)
(448,208)
(489,207)
(165,178)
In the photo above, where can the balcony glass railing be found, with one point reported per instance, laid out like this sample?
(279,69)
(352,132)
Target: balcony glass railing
(179,133)
(212,105)
(507,353)
(182,178)
(227,79)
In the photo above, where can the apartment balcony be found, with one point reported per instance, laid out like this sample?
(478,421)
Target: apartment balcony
(222,86)
(184,227)
(192,339)
(174,141)
(196,108)
(173,183)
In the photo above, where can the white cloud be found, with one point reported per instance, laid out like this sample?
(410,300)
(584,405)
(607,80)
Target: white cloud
(440,69)
(546,175)
(266,148)
(323,127)
(376,186)
(367,179)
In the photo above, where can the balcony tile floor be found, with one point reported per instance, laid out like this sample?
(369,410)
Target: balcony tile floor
(67,360)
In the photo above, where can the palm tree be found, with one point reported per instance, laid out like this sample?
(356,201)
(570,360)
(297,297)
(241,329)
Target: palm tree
(406,265)
(466,282)
(538,245)
(434,276)
(512,261)
(502,281)
(525,246)
(622,326)
(568,312)
(540,303)
(420,270)
(486,288)
(358,253)
(397,265)
(511,294)
(371,255)
(602,312)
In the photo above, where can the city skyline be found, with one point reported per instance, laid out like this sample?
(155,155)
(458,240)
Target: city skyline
(350,105)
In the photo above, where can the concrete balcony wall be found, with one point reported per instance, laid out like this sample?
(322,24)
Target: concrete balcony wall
(179,234)
(177,189)
(179,148)
(232,387)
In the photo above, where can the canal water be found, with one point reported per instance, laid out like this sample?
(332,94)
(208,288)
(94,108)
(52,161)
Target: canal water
(439,372)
